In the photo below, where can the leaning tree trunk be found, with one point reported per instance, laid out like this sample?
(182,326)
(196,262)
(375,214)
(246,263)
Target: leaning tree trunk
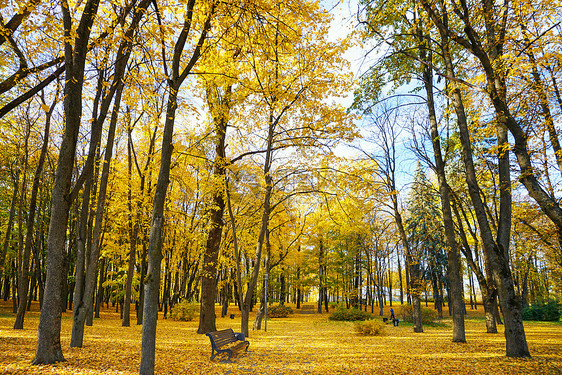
(246,305)
(412,268)
(116,89)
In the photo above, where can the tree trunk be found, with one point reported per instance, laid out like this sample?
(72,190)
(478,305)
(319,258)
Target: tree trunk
(488,292)
(400,276)
(456,296)
(100,293)
(86,302)
(219,108)
(264,299)
(24,250)
(416,309)
(48,343)
(320,275)
(11,216)
(282,288)
(516,343)
(133,236)
(152,279)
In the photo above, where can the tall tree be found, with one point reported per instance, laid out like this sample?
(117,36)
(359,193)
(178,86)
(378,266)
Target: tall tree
(491,60)
(76,43)
(84,304)
(454,265)
(219,102)
(175,78)
(23,280)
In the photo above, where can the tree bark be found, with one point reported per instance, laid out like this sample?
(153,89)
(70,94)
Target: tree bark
(48,344)
(219,108)
(263,302)
(488,292)
(320,275)
(11,216)
(152,279)
(85,303)
(454,264)
(516,343)
(133,236)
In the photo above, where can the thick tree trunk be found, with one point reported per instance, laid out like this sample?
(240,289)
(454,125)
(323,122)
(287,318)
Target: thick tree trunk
(220,111)
(516,343)
(416,309)
(210,258)
(48,344)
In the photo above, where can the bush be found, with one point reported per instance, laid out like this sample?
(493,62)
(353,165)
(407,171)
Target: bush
(185,311)
(428,315)
(342,313)
(370,328)
(549,311)
(279,311)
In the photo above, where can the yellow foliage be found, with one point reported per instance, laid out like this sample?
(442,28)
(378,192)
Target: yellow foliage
(299,344)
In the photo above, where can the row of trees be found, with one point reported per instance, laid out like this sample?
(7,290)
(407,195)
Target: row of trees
(215,168)
(486,53)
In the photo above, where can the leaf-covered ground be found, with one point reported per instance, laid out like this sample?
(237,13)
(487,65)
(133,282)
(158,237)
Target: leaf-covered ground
(300,344)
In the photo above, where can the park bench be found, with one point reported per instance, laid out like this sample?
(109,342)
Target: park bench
(225,341)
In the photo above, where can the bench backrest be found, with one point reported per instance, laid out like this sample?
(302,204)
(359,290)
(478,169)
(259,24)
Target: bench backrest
(223,337)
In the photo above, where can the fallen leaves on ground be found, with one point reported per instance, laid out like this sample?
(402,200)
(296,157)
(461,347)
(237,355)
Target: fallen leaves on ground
(300,344)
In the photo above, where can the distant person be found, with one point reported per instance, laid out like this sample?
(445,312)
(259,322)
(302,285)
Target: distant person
(392,313)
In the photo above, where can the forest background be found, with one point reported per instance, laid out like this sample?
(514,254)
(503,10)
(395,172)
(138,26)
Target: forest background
(155,152)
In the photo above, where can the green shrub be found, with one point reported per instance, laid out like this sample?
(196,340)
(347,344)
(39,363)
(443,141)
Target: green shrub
(279,311)
(185,311)
(549,311)
(370,328)
(341,313)
(428,315)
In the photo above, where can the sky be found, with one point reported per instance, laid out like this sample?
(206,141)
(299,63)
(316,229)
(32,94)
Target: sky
(344,23)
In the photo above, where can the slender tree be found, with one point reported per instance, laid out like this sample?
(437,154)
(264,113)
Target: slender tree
(175,78)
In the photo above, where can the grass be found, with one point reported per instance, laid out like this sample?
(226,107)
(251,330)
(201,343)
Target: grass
(300,344)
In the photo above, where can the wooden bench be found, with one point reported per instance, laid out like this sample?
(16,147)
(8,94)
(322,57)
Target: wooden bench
(226,341)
